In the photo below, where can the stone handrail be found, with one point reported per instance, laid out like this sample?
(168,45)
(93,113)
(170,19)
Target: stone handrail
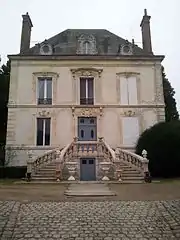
(34,163)
(108,150)
(62,157)
(136,161)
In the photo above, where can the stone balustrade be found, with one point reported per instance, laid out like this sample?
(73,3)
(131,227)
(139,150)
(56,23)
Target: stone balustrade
(137,162)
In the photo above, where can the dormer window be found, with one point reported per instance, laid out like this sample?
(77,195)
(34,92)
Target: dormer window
(46,49)
(86,45)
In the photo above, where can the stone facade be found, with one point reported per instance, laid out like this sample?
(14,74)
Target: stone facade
(23,108)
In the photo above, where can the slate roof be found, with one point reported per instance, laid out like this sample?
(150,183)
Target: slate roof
(65,43)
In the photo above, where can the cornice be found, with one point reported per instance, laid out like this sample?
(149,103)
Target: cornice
(88,57)
(84,106)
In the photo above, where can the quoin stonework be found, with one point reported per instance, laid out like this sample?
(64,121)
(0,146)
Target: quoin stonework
(79,101)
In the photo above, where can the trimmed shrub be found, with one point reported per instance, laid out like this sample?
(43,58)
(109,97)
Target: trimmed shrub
(162,142)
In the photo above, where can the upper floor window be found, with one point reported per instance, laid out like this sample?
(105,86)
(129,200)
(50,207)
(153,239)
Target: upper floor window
(43,131)
(45,90)
(128,90)
(86,91)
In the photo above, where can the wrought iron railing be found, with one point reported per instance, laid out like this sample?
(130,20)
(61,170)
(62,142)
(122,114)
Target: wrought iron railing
(45,101)
(86,101)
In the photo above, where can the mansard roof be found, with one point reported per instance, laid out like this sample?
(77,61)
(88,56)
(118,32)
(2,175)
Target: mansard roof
(104,42)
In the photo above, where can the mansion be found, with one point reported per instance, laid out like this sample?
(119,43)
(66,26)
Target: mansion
(82,85)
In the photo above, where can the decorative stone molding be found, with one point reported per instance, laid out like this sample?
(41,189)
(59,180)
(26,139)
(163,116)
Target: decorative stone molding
(127,74)
(86,72)
(91,45)
(46,74)
(129,113)
(87,112)
(44,113)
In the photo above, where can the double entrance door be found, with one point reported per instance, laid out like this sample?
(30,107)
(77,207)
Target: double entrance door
(87,129)
(87,169)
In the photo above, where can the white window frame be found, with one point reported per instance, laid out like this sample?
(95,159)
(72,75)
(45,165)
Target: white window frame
(45,87)
(44,131)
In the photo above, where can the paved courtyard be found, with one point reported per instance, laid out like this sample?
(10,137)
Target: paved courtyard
(136,220)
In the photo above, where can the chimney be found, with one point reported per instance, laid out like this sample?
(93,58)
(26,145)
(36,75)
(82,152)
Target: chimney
(26,33)
(146,33)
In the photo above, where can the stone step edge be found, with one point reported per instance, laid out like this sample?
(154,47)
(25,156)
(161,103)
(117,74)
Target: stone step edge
(89,194)
(41,181)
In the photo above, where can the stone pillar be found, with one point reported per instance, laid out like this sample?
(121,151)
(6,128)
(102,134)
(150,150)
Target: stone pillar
(29,165)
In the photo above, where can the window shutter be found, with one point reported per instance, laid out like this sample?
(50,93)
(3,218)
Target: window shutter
(39,140)
(90,88)
(132,90)
(49,88)
(123,90)
(130,130)
(47,131)
(82,88)
(41,88)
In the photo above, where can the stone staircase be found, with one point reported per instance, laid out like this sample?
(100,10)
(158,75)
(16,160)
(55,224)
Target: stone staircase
(130,175)
(47,173)
(116,165)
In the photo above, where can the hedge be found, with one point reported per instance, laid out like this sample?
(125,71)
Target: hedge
(162,142)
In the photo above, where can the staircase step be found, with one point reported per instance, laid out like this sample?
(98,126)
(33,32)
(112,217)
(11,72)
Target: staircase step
(43,175)
(132,181)
(132,178)
(35,178)
(133,174)
(46,170)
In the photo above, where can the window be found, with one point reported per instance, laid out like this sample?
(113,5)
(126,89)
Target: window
(44,90)
(86,91)
(86,48)
(130,130)
(43,131)
(91,161)
(128,90)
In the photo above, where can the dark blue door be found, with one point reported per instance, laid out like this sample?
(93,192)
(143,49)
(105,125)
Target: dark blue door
(87,129)
(87,169)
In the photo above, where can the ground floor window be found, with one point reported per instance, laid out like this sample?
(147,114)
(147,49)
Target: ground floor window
(43,131)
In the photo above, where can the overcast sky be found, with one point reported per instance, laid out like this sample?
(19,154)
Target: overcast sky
(122,17)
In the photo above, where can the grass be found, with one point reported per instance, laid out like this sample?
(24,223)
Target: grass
(167,180)
(7,181)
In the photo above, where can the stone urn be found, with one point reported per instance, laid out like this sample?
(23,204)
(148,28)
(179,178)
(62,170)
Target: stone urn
(71,166)
(105,166)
